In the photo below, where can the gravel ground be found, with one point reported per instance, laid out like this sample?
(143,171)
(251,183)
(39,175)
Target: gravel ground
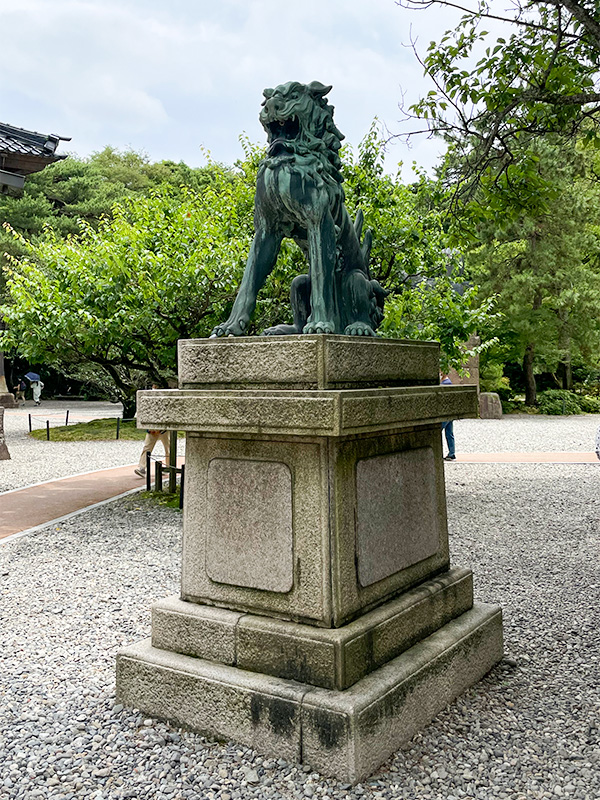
(527,433)
(34,461)
(73,594)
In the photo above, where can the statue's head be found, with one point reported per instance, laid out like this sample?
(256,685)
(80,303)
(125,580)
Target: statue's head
(297,116)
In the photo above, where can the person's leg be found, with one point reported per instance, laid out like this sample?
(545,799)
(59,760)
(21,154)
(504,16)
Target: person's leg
(164,438)
(149,442)
(449,432)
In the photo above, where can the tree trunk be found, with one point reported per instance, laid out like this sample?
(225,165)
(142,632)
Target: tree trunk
(128,407)
(565,369)
(565,374)
(530,387)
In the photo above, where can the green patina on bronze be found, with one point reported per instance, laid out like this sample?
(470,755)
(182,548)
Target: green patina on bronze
(299,195)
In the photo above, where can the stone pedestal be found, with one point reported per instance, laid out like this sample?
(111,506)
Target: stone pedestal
(4,454)
(319,619)
(7,400)
(490,405)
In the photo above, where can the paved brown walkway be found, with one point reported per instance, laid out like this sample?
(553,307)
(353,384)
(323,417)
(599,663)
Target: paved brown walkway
(27,508)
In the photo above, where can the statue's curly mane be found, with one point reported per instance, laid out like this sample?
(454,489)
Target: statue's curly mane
(317,134)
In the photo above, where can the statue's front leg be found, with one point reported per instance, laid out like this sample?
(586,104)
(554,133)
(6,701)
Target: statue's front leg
(261,260)
(321,255)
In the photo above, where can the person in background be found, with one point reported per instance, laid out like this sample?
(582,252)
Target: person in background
(448,427)
(36,387)
(152,437)
(19,390)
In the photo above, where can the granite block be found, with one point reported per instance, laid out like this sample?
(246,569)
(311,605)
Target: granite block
(305,362)
(336,413)
(332,658)
(195,630)
(343,734)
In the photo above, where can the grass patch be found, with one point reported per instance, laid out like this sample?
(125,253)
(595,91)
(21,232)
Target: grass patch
(165,499)
(93,431)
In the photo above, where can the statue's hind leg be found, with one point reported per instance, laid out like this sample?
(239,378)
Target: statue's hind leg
(358,302)
(300,301)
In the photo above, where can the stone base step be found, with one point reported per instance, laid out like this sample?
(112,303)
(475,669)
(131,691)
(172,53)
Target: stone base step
(345,734)
(334,658)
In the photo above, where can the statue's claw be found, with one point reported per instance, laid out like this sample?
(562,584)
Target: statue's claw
(233,327)
(319,327)
(359,329)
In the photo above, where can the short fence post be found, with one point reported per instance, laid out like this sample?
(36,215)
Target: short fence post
(67,418)
(48,430)
(181,486)
(118,426)
(172,461)
(148,472)
(29,415)
(158,477)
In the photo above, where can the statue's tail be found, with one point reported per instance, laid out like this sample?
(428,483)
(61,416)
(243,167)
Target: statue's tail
(367,241)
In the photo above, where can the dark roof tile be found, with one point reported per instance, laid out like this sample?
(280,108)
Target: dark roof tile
(18,141)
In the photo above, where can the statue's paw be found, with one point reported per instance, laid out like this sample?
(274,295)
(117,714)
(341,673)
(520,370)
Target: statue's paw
(319,327)
(359,329)
(230,328)
(280,330)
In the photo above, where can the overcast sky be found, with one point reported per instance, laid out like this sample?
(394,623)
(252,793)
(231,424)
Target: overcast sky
(170,77)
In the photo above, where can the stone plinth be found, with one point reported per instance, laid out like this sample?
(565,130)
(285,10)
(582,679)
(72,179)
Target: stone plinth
(7,400)
(319,618)
(4,454)
(490,405)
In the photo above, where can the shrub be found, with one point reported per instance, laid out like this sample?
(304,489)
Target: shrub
(558,402)
(491,379)
(589,404)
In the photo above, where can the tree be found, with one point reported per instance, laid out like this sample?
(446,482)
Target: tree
(114,300)
(541,78)
(76,189)
(415,256)
(545,270)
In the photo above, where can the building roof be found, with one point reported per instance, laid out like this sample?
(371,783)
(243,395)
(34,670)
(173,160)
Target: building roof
(23,152)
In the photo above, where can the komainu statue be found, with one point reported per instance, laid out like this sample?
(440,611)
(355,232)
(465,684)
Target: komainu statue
(299,195)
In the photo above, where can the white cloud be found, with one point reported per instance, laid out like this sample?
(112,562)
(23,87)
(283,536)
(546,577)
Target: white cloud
(167,77)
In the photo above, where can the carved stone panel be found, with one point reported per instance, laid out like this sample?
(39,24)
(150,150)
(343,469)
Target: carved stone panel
(397,524)
(249,524)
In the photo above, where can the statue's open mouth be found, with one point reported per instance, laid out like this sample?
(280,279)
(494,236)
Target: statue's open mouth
(287,129)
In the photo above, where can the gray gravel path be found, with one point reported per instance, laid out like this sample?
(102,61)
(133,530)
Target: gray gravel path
(72,595)
(527,433)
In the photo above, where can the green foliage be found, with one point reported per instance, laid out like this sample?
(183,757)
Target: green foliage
(491,379)
(439,313)
(492,99)
(118,297)
(68,192)
(589,404)
(544,266)
(559,402)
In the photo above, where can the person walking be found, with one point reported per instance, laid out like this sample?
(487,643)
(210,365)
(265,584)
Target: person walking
(36,387)
(19,390)
(152,437)
(448,427)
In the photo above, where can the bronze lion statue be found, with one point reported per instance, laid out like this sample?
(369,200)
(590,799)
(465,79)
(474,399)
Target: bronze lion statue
(299,195)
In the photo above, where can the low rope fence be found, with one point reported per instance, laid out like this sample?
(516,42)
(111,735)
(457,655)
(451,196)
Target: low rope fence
(37,422)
